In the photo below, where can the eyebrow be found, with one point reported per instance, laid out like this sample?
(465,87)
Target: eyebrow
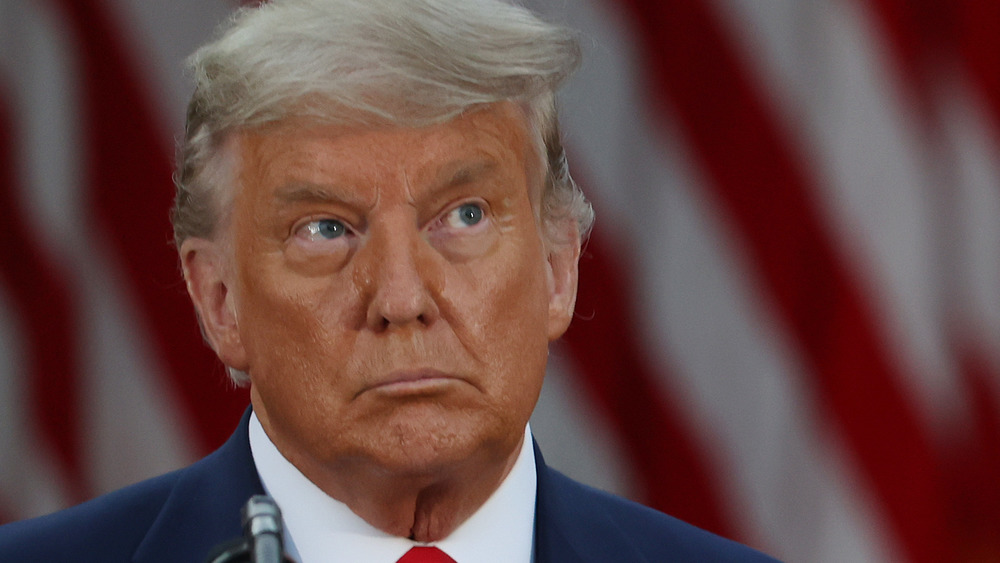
(451,176)
(313,193)
(470,172)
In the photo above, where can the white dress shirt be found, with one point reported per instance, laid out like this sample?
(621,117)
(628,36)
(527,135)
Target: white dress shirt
(319,528)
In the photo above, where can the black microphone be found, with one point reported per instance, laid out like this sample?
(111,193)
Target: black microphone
(263,530)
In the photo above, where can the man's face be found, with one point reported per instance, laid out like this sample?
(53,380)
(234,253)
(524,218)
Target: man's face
(392,294)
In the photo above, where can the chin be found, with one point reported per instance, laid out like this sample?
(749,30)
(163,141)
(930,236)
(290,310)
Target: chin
(431,446)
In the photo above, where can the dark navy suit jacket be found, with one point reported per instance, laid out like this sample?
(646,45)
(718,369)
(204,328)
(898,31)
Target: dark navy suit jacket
(181,516)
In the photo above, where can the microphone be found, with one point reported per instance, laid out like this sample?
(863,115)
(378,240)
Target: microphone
(263,535)
(263,529)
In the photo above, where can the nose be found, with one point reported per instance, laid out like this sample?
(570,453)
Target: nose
(404,280)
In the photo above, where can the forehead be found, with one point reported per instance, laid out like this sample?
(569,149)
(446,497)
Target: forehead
(298,150)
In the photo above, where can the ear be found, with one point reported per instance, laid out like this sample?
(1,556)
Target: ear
(563,249)
(208,274)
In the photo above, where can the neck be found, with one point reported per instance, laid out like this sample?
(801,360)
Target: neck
(425,499)
(424,506)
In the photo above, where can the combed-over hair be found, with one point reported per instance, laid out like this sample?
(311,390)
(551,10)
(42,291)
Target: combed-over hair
(370,62)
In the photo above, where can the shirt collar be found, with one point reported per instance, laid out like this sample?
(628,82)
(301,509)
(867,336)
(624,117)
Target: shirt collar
(320,528)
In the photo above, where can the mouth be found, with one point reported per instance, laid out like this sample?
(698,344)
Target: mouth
(413,382)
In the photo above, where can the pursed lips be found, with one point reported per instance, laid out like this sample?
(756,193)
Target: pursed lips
(412,381)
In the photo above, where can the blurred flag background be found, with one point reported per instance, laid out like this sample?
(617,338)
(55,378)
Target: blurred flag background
(788,324)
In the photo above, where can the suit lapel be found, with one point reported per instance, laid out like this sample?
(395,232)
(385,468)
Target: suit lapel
(203,509)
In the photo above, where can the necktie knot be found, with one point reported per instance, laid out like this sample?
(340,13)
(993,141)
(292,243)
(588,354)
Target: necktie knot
(425,555)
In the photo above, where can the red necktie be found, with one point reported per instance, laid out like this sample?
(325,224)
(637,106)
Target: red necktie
(425,555)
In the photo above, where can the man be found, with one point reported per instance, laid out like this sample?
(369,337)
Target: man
(380,236)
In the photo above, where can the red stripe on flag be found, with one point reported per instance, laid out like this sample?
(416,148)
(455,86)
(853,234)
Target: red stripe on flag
(6,514)
(974,465)
(978,35)
(696,75)
(927,37)
(130,191)
(917,34)
(44,306)
(617,377)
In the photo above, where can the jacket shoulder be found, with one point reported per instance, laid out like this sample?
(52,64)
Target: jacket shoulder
(179,516)
(599,526)
(107,528)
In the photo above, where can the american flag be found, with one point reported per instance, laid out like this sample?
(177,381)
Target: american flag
(788,327)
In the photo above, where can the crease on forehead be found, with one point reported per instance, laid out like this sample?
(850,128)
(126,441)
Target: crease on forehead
(526,139)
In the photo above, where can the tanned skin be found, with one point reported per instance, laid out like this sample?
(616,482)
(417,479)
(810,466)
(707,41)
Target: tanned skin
(392,293)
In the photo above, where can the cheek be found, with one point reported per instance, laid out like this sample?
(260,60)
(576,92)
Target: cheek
(506,306)
(285,324)
(296,359)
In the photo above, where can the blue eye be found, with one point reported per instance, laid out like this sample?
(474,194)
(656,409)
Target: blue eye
(326,228)
(465,215)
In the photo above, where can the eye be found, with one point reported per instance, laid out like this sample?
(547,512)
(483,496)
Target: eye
(324,229)
(465,215)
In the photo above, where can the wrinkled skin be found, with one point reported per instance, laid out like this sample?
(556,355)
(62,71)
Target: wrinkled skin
(392,296)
